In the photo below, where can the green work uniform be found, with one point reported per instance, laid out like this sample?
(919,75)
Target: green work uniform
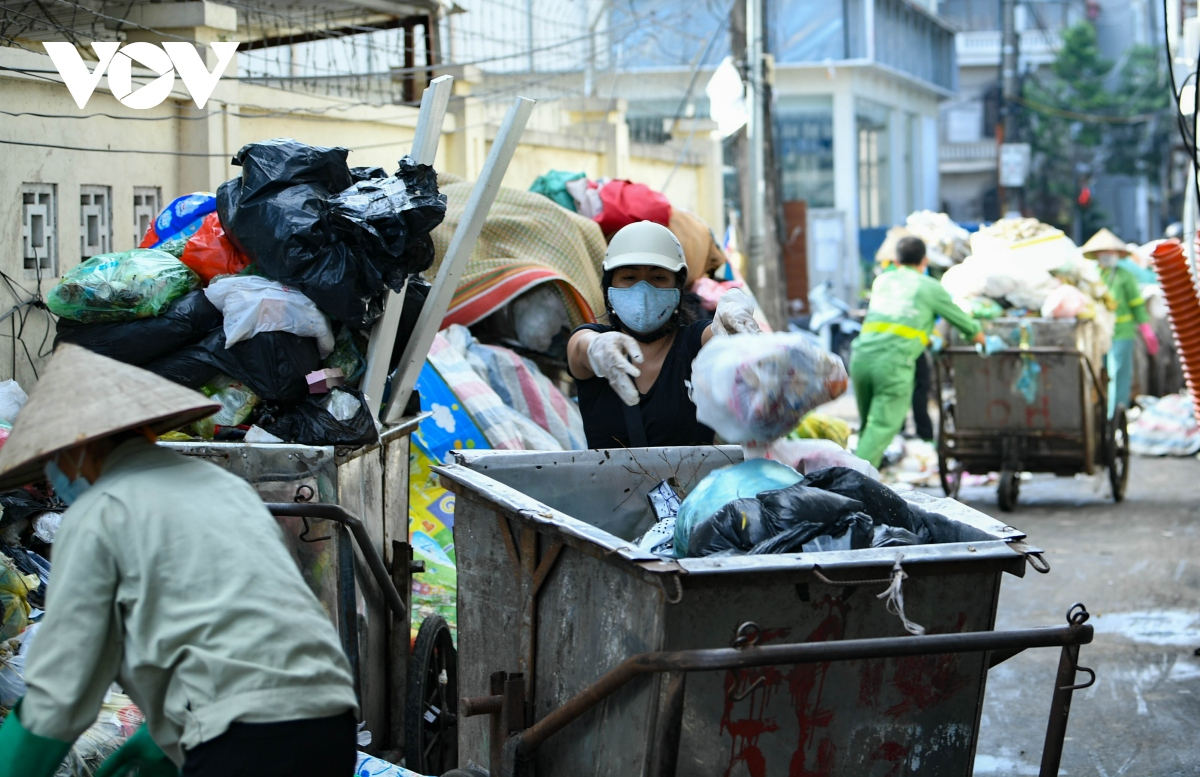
(904,305)
(1131,311)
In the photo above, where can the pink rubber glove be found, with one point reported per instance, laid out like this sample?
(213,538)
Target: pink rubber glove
(1150,338)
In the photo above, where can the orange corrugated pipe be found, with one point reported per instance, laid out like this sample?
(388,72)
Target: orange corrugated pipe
(1183,305)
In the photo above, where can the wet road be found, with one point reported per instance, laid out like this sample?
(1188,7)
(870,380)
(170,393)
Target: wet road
(1136,567)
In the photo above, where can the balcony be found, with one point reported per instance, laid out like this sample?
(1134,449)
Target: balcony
(976,157)
(980,48)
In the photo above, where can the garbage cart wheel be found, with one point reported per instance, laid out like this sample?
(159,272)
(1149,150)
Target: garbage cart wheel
(1118,454)
(1008,490)
(431,708)
(949,468)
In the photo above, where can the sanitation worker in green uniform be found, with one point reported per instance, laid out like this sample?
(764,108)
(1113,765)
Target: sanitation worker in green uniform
(904,305)
(1108,249)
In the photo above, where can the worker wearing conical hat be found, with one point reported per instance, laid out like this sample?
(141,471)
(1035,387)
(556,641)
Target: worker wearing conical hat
(171,578)
(1108,249)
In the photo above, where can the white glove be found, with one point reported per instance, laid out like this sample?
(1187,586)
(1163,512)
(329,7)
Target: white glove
(612,356)
(735,314)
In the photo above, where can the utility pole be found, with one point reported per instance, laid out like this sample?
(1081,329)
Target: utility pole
(1009,91)
(755,196)
(757,175)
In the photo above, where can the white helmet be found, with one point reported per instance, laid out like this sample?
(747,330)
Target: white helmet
(645,243)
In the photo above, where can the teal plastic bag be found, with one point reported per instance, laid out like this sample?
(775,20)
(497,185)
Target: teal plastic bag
(744,480)
(121,287)
(554,185)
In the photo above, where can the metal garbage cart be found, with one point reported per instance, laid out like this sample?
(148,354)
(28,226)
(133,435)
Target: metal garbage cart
(346,525)
(796,666)
(1040,406)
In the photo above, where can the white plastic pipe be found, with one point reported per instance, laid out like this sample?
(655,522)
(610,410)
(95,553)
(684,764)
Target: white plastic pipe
(457,255)
(434,102)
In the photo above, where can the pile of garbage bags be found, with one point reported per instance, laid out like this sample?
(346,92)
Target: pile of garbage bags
(262,295)
(761,507)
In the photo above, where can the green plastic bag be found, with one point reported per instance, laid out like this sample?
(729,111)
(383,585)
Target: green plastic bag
(237,402)
(121,287)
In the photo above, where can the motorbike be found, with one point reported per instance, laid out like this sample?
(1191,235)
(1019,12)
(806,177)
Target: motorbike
(831,323)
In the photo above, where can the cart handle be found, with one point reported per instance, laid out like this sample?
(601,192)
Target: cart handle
(328,512)
(520,746)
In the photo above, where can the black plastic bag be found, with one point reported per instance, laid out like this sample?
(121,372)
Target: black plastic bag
(188,320)
(894,537)
(736,527)
(883,504)
(310,423)
(796,537)
(367,173)
(780,521)
(271,364)
(414,300)
(344,255)
(390,219)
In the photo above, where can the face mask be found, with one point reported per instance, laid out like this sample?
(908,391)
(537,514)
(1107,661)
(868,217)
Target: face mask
(1108,260)
(644,308)
(67,490)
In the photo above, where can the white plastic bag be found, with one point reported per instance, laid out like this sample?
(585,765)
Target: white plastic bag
(807,456)
(757,387)
(1065,302)
(12,399)
(251,305)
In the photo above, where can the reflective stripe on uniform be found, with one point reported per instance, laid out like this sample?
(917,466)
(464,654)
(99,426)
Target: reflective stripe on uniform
(900,330)
(1124,319)
(1133,303)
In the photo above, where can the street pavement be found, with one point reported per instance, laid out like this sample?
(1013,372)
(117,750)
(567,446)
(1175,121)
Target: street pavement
(1135,566)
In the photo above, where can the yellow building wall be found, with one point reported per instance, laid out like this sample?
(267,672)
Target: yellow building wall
(196,148)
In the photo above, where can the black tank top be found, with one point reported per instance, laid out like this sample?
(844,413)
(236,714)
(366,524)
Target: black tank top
(668,415)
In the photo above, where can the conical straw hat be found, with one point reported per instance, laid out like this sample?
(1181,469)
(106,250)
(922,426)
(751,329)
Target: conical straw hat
(1104,240)
(83,396)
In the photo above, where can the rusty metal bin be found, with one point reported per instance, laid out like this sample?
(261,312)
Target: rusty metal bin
(987,424)
(551,587)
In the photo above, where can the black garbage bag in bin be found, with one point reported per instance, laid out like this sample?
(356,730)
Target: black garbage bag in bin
(288,213)
(311,422)
(188,320)
(885,506)
(780,521)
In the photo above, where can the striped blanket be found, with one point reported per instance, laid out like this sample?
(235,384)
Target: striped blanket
(527,240)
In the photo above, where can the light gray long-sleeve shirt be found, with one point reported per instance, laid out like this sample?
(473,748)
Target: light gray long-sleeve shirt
(170,577)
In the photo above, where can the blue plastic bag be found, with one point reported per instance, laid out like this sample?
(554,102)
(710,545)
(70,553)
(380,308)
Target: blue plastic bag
(746,479)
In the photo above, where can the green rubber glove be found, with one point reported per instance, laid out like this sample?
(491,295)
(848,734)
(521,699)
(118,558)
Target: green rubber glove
(23,754)
(141,753)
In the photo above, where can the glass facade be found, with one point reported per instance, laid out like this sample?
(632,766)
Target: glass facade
(804,149)
(807,30)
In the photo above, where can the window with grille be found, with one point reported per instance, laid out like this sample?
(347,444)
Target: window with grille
(147,201)
(39,209)
(95,220)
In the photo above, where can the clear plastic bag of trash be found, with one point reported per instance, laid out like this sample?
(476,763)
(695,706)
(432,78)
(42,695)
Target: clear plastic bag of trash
(250,304)
(806,456)
(237,403)
(121,287)
(757,387)
(724,485)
